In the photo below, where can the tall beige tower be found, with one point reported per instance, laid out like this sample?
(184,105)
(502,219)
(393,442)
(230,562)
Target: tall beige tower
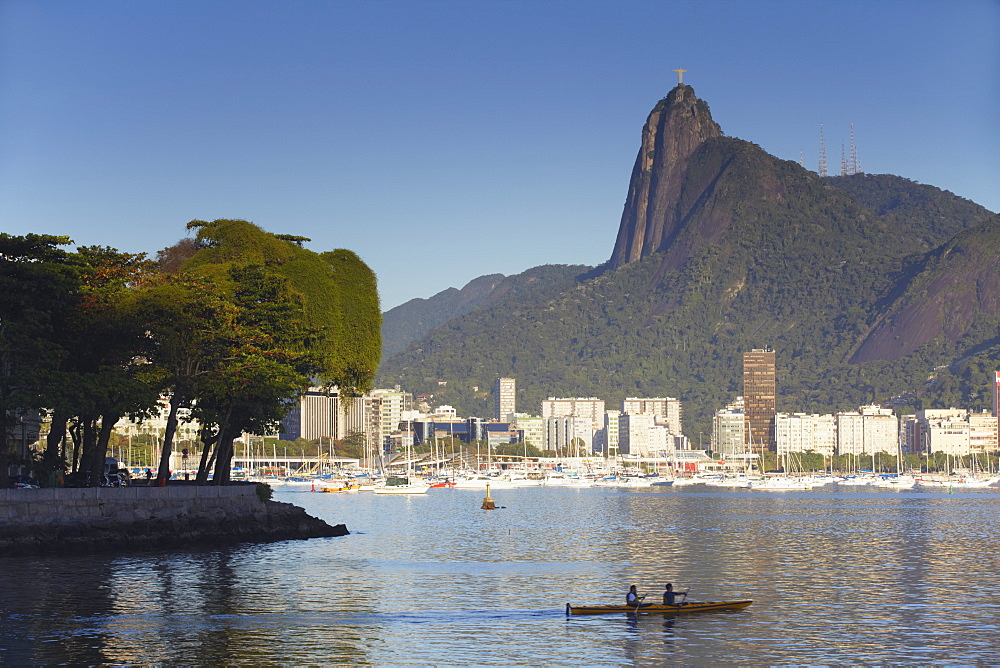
(504,398)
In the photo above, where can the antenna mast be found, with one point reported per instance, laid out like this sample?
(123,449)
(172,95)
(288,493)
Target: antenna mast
(822,152)
(843,161)
(855,161)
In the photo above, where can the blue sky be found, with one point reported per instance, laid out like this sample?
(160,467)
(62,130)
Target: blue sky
(446,140)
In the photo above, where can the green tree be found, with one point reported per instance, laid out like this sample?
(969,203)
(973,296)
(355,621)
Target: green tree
(39,285)
(298,318)
(106,374)
(191,326)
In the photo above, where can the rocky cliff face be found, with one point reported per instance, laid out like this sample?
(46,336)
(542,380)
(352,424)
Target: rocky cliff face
(678,124)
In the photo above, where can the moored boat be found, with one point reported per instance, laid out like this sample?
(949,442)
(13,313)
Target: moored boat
(683,609)
(344,488)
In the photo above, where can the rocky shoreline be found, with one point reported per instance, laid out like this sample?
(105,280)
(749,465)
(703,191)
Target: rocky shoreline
(94,520)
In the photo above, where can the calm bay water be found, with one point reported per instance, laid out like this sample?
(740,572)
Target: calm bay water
(836,577)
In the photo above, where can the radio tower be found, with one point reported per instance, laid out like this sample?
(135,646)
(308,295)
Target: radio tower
(800,157)
(855,161)
(843,161)
(822,152)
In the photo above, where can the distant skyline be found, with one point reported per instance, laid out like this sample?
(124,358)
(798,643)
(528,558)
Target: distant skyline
(446,140)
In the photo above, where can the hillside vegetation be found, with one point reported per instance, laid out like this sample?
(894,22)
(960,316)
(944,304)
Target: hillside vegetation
(756,252)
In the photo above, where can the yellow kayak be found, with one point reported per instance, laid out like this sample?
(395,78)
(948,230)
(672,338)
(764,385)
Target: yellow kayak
(684,608)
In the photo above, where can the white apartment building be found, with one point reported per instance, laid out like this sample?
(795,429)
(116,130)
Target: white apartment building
(869,430)
(532,427)
(727,429)
(610,441)
(377,414)
(800,432)
(639,435)
(983,432)
(633,433)
(590,407)
(569,431)
(667,409)
(953,431)
(316,416)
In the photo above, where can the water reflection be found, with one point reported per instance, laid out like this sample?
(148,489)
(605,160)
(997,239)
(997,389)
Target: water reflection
(836,578)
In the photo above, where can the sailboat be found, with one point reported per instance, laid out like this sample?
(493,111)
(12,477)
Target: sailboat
(783,482)
(898,481)
(400,485)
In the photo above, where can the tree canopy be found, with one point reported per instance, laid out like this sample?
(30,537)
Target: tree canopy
(232,324)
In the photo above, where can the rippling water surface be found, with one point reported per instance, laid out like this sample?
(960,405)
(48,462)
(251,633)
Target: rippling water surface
(836,577)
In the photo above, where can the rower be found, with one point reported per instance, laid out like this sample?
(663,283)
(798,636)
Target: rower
(670,598)
(632,598)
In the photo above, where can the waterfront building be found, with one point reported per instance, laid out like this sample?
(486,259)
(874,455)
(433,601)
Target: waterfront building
(591,407)
(983,432)
(569,432)
(800,432)
(531,428)
(315,416)
(504,395)
(633,433)
(610,434)
(953,431)
(377,415)
(667,409)
(869,430)
(428,427)
(500,433)
(759,396)
(641,435)
(727,430)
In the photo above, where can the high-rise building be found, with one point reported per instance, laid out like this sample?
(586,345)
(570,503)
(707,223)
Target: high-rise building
(801,432)
(573,433)
(869,430)
(504,404)
(667,409)
(591,407)
(610,437)
(316,416)
(954,431)
(759,392)
(532,429)
(728,428)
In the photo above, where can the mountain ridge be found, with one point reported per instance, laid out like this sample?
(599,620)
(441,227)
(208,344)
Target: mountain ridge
(762,252)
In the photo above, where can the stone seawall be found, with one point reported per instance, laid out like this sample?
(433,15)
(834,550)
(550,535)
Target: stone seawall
(122,518)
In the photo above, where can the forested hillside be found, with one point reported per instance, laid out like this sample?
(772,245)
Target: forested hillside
(411,320)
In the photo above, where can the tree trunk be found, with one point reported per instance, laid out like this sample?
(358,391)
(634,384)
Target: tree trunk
(54,458)
(223,459)
(88,463)
(168,437)
(77,436)
(205,466)
(103,436)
